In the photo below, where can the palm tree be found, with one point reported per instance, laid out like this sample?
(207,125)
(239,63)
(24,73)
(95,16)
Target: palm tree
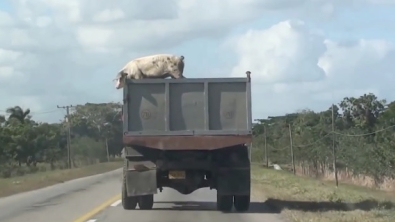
(2,119)
(18,113)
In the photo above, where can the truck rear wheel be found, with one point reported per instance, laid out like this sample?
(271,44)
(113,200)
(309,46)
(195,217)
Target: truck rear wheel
(128,203)
(146,202)
(224,202)
(242,202)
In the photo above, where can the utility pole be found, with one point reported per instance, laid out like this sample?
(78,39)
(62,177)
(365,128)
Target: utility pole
(108,153)
(68,133)
(292,148)
(266,155)
(250,149)
(334,146)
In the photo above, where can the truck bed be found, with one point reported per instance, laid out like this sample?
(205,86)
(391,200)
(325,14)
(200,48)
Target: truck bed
(181,114)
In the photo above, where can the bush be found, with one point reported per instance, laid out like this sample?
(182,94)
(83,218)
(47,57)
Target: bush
(20,171)
(33,169)
(6,173)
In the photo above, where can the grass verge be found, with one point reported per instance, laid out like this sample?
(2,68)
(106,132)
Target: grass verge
(307,199)
(10,186)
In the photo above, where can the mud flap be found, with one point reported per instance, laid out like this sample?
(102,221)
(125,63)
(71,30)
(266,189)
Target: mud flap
(231,181)
(141,183)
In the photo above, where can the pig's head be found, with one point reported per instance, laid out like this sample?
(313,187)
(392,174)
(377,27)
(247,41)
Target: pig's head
(177,68)
(120,80)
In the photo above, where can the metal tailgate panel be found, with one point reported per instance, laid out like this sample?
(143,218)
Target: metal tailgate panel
(227,106)
(216,106)
(187,107)
(146,108)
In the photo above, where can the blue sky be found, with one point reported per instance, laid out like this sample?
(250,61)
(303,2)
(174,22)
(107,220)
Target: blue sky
(367,22)
(5,6)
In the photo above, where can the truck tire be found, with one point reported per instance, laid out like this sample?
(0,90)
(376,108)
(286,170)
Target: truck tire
(224,202)
(242,202)
(146,202)
(128,203)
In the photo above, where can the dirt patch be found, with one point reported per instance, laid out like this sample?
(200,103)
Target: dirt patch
(38,180)
(305,199)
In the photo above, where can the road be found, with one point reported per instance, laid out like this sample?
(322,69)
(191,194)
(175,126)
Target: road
(99,202)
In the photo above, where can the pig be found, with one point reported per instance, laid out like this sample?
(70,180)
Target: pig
(154,66)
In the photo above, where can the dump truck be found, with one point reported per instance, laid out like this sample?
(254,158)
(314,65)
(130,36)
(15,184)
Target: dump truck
(187,134)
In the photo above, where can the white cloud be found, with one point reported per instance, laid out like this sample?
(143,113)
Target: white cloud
(5,19)
(286,52)
(108,15)
(6,72)
(293,68)
(67,52)
(8,56)
(43,21)
(92,37)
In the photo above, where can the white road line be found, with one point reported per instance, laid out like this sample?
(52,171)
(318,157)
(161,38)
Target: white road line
(116,203)
(91,220)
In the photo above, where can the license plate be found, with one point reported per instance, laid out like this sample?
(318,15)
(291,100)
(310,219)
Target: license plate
(176,175)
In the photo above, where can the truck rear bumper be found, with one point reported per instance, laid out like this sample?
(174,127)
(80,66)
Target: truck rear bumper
(187,142)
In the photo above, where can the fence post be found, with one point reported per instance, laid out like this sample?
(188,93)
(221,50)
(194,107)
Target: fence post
(292,149)
(266,154)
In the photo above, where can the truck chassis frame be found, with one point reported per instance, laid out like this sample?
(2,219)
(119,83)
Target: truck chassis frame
(148,170)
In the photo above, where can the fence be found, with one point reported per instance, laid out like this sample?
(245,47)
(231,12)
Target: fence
(366,159)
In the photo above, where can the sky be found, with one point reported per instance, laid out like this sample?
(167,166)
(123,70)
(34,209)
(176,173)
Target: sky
(303,54)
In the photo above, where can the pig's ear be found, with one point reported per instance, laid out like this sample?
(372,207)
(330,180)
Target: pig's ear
(119,75)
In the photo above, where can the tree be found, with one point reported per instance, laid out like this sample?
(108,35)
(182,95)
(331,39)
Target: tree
(26,143)
(99,121)
(2,119)
(362,112)
(364,139)
(18,113)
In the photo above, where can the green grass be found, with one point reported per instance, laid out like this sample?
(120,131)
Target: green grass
(307,199)
(33,181)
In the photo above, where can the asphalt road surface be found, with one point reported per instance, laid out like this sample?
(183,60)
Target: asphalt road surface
(97,200)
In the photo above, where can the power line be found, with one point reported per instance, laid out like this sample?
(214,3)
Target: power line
(309,144)
(35,113)
(341,134)
(366,134)
(44,112)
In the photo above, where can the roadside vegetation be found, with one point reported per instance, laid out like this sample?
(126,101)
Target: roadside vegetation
(33,181)
(35,154)
(304,144)
(304,199)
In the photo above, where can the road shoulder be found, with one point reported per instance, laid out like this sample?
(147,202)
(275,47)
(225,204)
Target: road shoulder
(307,199)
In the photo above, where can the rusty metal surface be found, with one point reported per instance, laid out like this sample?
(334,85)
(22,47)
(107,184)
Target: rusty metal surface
(187,142)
